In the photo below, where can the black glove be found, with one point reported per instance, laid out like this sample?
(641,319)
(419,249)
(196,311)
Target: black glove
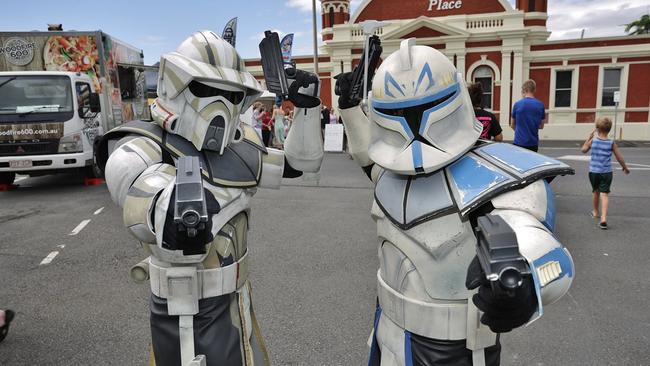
(501,312)
(173,239)
(303,79)
(343,89)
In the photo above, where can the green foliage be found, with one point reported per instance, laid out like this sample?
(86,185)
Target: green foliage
(641,26)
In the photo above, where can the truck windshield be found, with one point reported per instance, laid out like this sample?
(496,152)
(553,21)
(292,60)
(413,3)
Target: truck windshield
(35,94)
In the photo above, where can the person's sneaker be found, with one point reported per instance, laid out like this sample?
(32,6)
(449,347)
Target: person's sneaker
(603,225)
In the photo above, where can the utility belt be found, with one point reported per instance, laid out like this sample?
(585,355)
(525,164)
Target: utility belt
(441,320)
(168,282)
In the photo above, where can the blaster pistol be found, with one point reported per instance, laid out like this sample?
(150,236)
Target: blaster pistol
(190,209)
(499,256)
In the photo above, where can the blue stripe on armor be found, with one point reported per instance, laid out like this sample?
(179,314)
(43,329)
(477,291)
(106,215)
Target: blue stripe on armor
(416,150)
(408,354)
(560,255)
(473,178)
(374,346)
(520,159)
(549,220)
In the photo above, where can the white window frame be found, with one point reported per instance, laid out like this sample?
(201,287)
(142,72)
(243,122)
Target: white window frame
(622,86)
(493,83)
(575,80)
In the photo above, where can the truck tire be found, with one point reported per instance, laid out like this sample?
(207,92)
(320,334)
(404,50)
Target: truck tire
(7,178)
(93,171)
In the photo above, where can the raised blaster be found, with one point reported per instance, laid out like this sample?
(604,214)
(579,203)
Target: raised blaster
(273,65)
(499,256)
(374,53)
(190,210)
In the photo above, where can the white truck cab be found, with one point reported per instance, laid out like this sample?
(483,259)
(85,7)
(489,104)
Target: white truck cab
(49,122)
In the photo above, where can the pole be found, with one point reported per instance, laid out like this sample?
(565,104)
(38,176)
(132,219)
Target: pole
(615,119)
(365,72)
(313,8)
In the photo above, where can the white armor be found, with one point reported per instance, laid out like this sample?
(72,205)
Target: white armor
(432,178)
(203,87)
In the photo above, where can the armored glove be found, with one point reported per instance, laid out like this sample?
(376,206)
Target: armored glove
(174,239)
(501,312)
(343,89)
(303,88)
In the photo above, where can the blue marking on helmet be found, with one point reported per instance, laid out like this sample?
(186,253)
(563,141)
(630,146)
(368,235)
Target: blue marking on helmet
(416,151)
(425,116)
(401,120)
(415,101)
(426,71)
(389,79)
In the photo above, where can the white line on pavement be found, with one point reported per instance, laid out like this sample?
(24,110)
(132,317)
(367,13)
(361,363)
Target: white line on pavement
(575,157)
(79,227)
(21,177)
(49,258)
(99,211)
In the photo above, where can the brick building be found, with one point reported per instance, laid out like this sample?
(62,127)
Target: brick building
(491,42)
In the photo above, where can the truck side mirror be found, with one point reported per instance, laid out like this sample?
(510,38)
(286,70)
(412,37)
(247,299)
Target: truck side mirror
(93,100)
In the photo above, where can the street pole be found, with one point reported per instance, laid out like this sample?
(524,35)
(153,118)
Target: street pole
(313,8)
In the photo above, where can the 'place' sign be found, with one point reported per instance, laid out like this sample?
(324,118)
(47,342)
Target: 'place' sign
(445,4)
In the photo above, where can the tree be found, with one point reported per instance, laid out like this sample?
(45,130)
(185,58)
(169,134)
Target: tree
(641,26)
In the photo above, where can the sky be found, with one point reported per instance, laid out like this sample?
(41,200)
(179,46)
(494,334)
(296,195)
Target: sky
(159,27)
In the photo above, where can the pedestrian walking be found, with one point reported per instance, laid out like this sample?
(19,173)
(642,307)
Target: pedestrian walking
(600,167)
(528,117)
(491,128)
(267,126)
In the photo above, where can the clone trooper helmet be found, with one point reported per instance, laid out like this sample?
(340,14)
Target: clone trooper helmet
(421,113)
(202,89)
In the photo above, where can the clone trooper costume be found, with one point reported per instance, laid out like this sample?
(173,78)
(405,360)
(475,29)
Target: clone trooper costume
(433,180)
(201,308)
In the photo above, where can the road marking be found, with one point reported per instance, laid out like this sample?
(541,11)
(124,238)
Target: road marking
(20,177)
(575,157)
(49,258)
(99,211)
(79,227)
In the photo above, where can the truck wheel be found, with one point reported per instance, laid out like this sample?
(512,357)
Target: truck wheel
(7,178)
(93,171)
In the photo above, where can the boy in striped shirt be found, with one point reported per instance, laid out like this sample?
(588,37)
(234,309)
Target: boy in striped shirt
(600,167)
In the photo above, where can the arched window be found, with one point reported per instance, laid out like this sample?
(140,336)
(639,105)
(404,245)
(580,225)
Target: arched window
(484,75)
(331,14)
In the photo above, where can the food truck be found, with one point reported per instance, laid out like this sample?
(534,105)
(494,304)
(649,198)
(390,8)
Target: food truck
(59,92)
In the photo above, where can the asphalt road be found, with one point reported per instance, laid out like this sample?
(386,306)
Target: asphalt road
(314,257)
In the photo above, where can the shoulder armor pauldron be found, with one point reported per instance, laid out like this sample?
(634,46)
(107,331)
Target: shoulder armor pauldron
(239,166)
(468,183)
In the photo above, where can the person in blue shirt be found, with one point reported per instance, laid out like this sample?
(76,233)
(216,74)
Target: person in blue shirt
(600,166)
(528,117)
